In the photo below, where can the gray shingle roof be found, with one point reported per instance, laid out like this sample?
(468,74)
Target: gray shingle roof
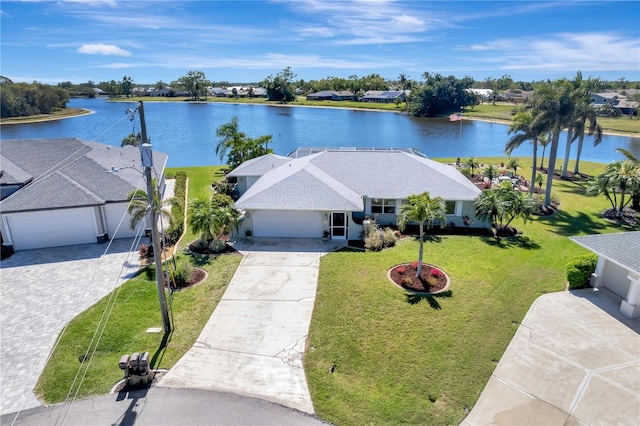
(259,166)
(71,172)
(350,175)
(622,248)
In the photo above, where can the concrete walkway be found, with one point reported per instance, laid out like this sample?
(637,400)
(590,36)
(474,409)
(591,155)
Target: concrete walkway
(253,343)
(575,359)
(41,291)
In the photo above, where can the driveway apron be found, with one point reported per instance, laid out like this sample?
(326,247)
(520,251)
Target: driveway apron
(253,343)
(40,292)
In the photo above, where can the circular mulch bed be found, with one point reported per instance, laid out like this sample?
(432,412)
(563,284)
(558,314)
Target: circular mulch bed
(432,279)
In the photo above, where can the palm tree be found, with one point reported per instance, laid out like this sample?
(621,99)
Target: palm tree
(210,219)
(619,177)
(552,107)
(132,140)
(472,163)
(491,172)
(586,112)
(424,210)
(543,141)
(514,164)
(139,208)
(230,136)
(201,218)
(522,125)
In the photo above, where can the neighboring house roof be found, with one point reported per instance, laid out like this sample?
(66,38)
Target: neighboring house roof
(70,172)
(259,166)
(382,94)
(313,181)
(11,174)
(621,248)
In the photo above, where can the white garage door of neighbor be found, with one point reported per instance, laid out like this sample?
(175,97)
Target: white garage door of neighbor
(52,228)
(287,223)
(114,213)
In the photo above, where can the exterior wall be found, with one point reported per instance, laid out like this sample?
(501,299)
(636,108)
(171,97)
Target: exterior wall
(241,186)
(614,277)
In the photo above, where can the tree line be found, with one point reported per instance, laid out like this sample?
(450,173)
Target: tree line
(434,94)
(25,99)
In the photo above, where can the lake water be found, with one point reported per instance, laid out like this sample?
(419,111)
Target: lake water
(186,131)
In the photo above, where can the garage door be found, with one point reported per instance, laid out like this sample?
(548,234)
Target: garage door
(287,223)
(114,213)
(52,228)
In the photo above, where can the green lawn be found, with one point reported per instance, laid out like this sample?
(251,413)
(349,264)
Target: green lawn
(403,359)
(135,309)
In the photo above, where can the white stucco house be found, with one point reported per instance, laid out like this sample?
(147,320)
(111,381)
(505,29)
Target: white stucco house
(618,267)
(58,192)
(313,190)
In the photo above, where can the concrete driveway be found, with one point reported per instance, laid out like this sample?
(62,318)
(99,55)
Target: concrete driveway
(41,291)
(253,343)
(575,359)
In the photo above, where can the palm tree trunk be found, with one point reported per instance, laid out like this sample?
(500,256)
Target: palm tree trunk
(552,164)
(619,214)
(421,252)
(544,148)
(532,184)
(567,152)
(576,169)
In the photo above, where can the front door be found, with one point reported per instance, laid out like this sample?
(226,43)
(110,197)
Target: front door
(339,225)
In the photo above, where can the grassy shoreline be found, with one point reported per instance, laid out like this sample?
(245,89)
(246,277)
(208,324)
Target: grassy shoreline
(41,118)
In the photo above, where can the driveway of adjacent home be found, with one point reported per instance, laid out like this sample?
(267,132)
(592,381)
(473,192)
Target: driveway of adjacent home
(253,343)
(575,360)
(41,291)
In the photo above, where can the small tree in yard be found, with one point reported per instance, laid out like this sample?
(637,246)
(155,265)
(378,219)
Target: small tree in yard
(501,205)
(426,211)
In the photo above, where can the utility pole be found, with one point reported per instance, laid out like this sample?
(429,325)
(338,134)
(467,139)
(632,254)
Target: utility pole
(147,162)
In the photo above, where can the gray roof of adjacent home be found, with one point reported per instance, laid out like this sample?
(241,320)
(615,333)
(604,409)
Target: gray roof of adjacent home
(70,172)
(259,166)
(622,248)
(335,179)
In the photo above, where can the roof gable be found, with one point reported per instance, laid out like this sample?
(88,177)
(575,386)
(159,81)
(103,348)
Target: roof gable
(259,166)
(338,179)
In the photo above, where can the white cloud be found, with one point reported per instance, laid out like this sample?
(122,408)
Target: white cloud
(103,49)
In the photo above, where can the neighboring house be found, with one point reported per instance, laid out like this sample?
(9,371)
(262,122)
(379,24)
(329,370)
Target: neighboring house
(615,100)
(334,189)
(618,266)
(331,95)
(58,192)
(610,98)
(384,96)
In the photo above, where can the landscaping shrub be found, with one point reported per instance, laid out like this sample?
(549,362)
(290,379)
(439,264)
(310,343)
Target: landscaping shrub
(182,273)
(580,268)
(389,238)
(373,242)
(221,200)
(217,246)
(199,246)
(145,251)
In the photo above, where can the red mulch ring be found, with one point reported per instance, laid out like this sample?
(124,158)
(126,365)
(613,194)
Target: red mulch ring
(431,278)
(197,276)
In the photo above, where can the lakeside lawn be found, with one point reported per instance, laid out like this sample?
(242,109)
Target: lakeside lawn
(425,360)
(421,360)
(55,115)
(135,309)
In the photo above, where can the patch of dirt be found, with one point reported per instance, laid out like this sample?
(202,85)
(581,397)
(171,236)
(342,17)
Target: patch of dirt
(431,279)
(197,276)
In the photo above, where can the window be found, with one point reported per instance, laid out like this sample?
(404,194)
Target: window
(450,207)
(383,206)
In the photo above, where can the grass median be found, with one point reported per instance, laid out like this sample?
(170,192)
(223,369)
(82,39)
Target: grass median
(377,355)
(136,309)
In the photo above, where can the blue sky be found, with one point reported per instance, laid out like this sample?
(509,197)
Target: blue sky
(246,41)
